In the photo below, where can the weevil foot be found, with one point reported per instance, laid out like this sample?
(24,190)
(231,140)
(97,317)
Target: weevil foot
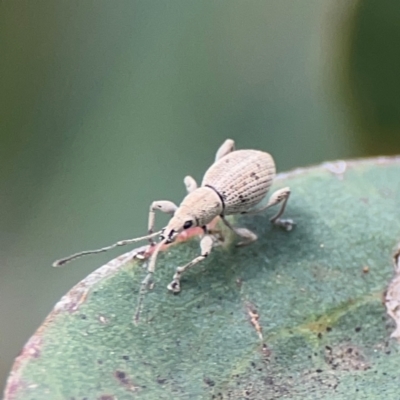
(286,224)
(174,286)
(247,235)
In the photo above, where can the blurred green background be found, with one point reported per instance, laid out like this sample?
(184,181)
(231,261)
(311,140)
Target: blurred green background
(107,105)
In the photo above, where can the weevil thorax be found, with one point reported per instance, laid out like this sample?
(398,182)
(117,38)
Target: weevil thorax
(198,208)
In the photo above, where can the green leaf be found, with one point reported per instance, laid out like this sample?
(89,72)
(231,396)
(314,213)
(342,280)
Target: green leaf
(316,292)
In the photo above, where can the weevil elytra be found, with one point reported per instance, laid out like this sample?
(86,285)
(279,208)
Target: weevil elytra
(234,184)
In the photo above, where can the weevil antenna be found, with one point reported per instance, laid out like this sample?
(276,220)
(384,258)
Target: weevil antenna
(147,280)
(66,260)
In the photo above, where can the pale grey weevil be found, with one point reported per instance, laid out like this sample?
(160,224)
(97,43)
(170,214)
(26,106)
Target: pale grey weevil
(234,184)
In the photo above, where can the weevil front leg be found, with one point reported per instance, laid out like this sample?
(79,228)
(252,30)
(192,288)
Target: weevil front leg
(164,206)
(247,235)
(206,245)
(227,147)
(280,196)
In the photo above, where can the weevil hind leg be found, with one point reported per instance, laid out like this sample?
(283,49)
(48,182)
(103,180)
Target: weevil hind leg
(206,245)
(164,206)
(227,147)
(247,235)
(280,196)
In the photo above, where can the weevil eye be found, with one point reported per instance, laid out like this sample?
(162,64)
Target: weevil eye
(187,224)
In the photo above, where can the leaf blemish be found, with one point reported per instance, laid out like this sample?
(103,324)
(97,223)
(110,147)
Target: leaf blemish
(338,168)
(346,357)
(392,295)
(125,381)
(254,317)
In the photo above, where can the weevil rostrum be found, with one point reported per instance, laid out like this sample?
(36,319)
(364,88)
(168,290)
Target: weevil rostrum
(235,183)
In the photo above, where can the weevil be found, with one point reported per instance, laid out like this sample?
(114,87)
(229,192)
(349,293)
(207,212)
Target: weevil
(235,183)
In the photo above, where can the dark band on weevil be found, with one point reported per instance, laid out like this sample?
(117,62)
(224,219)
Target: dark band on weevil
(169,238)
(205,230)
(171,234)
(197,222)
(219,195)
(162,234)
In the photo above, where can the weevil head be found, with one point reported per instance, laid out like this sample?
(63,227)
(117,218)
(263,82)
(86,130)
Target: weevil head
(198,208)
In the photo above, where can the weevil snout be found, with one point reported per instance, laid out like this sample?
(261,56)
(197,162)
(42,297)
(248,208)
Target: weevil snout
(176,225)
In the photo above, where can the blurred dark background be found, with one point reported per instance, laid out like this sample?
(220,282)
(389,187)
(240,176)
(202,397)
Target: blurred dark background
(106,106)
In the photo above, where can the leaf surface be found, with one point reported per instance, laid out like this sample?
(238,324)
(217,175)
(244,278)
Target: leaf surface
(315,294)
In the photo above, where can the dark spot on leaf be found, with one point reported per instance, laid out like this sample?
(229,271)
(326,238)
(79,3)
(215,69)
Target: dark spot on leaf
(161,381)
(319,335)
(266,351)
(124,380)
(120,375)
(328,328)
(100,362)
(209,382)
(83,316)
(319,370)
(358,329)
(125,358)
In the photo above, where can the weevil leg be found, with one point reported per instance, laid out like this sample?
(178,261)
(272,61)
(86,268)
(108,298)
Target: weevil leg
(280,196)
(246,234)
(147,281)
(217,235)
(190,184)
(206,245)
(164,206)
(227,147)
